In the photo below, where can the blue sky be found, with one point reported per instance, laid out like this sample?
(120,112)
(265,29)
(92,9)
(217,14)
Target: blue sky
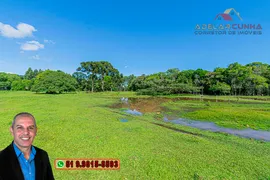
(137,37)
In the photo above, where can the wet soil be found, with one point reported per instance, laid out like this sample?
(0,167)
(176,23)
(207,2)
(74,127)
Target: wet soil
(146,105)
(152,104)
(143,105)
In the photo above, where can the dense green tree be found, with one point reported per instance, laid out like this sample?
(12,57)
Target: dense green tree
(255,85)
(173,73)
(185,76)
(54,82)
(30,74)
(251,79)
(220,88)
(6,80)
(96,71)
(236,79)
(82,81)
(4,84)
(127,81)
(199,79)
(138,83)
(117,81)
(90,69)
(258,68)
(21,85)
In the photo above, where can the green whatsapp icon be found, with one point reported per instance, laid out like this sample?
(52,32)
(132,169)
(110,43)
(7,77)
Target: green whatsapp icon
(60,164)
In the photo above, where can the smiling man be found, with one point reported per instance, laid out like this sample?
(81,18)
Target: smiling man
(21,160)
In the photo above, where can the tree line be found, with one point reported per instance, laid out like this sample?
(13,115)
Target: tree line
(236,79)
(95,76)
(90,76)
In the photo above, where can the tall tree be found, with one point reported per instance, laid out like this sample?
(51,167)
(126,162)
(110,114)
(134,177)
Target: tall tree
(96,71)
(173,73)
(81,79)
(6,80)
(29,74)
(54,82)
(90,69)
(127,81)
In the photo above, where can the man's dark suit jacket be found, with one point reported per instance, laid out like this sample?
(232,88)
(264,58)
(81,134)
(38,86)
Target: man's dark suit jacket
(10,168)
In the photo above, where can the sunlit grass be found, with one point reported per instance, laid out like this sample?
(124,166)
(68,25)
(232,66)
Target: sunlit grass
(82,126)
(235,115)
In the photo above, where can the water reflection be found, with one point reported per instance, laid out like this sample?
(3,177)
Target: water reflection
(133,112)
(247,133)
(123,120)
(145,105)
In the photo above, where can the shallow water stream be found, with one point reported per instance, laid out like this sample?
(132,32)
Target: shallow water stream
(138,106)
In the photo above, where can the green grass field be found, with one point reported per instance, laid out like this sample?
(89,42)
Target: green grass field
(237,114)
(83,126)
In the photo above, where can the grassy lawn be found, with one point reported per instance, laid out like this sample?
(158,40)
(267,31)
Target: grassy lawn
(83,126)
(240,115)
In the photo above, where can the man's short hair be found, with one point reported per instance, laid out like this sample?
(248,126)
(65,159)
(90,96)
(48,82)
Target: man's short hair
(23,114)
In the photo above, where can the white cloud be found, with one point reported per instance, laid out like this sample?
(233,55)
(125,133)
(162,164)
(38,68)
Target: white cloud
(36,57)
(31,46)
(49,41)
(23,30)
(126,66)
